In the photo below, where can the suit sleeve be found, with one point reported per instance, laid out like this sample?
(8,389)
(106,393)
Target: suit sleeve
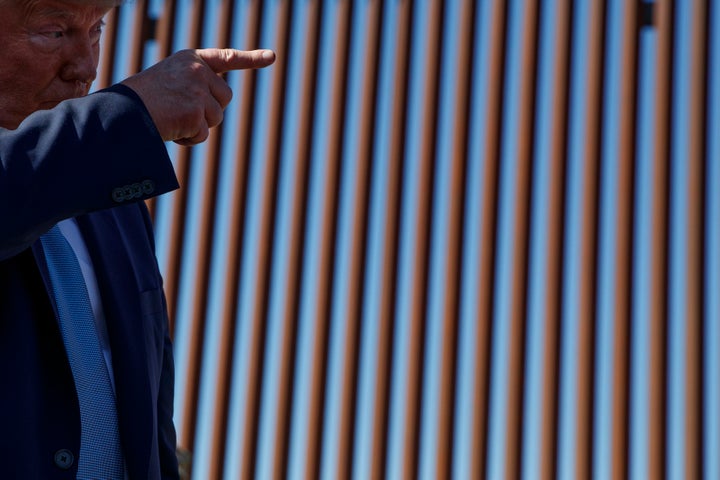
(84,155)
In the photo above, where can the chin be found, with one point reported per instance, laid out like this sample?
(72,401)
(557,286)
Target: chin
(10,123)
(48,104)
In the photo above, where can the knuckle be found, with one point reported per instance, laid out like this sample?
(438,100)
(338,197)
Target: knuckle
(196,69)
(198,116)
(224,95)
(185,54)
(226,55)
(214,117)
(202,135)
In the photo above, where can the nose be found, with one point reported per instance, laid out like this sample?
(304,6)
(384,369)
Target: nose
(81,61)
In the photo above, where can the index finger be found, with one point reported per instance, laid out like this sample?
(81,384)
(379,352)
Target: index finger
(225,59)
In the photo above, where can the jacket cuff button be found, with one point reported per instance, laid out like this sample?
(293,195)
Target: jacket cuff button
(148,187)
(118,195)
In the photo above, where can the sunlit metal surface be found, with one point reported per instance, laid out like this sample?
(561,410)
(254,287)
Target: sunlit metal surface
(446,238)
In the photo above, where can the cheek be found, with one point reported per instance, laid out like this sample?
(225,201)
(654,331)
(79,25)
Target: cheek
(34,76)
(19,96)
(27,60)
(22,76)
(24,82)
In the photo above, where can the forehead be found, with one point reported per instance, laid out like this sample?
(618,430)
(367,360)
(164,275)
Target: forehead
(58,8)
(83,3)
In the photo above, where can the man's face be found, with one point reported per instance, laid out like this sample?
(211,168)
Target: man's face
(49,51)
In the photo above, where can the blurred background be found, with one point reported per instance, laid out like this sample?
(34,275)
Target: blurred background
(445,238)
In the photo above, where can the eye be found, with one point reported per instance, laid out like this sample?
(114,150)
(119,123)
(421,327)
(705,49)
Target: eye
(54,34)
(98,28)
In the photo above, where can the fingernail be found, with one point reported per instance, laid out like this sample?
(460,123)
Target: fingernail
(268,55)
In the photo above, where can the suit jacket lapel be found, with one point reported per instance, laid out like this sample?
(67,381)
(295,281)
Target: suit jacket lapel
(41,262)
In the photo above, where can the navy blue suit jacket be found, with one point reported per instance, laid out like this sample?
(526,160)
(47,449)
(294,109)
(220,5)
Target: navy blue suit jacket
(93,158)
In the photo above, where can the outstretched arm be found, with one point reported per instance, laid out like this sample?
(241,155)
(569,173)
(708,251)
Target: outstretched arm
(69,160)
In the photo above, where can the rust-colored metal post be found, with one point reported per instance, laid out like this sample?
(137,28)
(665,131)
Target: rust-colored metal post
(164,33)
(556,238)
(256,366)
(356,277)
(697,156)
(454,253)
(140,35)
(180,198)
(524,169)
(203,256)
(487,266)
(233,255)
(423,223)
(177,238)
(109,48)
(589,250)
(396,166)
(624,244)
(314,9)
(660,256)
(386,323)
(326,291)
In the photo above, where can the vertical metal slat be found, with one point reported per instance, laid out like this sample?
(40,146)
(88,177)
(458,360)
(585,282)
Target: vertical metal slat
(396,165)
(196,319)
(203,255)
(695,244)
(456,228)
(597,95)
(556,238)
(165,33)
(180,198)
(356,275)
(256,368)
(296,256)
(326,289)
(625,242)
(140,35)
(423,224)
(487,266)
(237,215)
(657,448)
(109,47)
(524,170)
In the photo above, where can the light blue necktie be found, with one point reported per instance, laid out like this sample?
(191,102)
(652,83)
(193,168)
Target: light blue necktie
(100,451)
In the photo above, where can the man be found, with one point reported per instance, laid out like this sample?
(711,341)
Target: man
(86,363)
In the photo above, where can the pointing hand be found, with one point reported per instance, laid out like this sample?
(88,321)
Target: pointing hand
(184,93)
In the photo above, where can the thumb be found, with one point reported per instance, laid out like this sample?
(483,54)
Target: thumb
(222,60)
